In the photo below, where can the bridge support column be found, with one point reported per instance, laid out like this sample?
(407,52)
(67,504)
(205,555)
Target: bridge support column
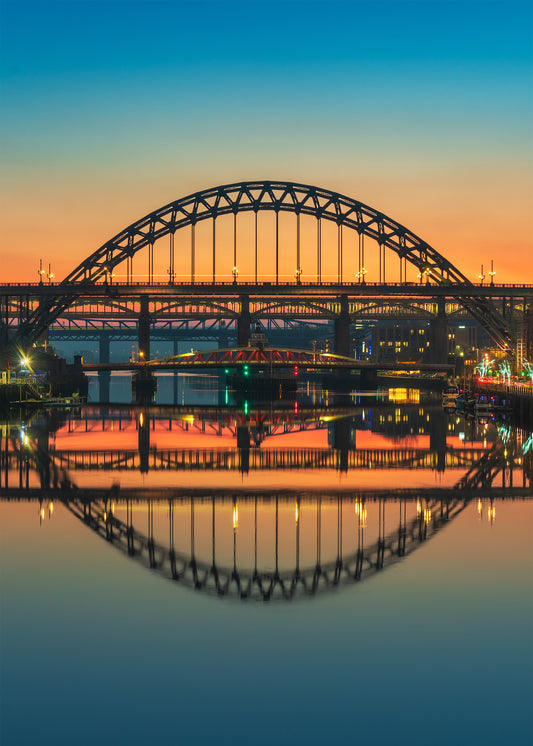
(175,375)
(438,335)
(342,442)
(244,322)
(104,376)
(143,329)
(143,386)
(343,339)
(44,336)
(143,424)
(368,379)
(243,448)
(437,438)
(4,319)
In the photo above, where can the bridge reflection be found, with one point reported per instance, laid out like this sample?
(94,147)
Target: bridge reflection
(263,543)
(215,440)
(276,548)
(268,547)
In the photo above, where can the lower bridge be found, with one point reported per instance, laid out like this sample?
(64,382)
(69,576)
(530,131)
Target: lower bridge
(229,459)
(269,358)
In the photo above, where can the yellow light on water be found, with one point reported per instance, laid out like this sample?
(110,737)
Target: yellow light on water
(362,516)
(418,508)
(427,516)
(296,513)
(141,419)
(235,517)
(112,508)
(42,514)
(491,514)
(51,507)
(105,515)
(479,506)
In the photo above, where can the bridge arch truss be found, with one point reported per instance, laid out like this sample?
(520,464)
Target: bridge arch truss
(340,212)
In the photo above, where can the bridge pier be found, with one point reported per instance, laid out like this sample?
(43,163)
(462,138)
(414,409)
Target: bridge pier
(342,442)
(368,379)
(104,376)
(437,438)
(143,329)
(175,375)
(143,440)
(143,386)
(343,339)
(244,322)
(438,335)
(4,320)
(243,447)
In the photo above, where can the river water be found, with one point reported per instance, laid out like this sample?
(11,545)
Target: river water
(323,569)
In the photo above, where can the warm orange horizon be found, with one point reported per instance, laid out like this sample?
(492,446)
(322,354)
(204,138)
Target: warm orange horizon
(465,229)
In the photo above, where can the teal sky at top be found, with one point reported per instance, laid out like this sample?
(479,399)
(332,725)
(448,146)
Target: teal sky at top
(109,71)
(123,57)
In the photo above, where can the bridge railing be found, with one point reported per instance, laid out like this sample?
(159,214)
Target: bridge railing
(263,283)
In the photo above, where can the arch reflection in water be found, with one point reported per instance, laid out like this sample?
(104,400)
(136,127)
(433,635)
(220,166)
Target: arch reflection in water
(267,547)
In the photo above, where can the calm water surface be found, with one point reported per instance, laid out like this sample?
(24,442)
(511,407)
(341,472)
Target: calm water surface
(328,570)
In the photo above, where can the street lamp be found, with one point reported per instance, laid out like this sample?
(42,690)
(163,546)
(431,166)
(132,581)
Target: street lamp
(492,272)
(50,274)
(298,275)
(481,276)
(235,273)
(361,275)
(40,272)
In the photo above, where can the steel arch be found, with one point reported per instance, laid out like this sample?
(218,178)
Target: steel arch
(254,584)
(279,196)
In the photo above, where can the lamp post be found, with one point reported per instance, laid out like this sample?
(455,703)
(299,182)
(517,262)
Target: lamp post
(492,272)
(481,276)
(424,272)
(50,274)
(40,272)
(235,273)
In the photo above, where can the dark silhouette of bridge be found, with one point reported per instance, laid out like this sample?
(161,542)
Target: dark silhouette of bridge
(316,559)
(357,239)
(340,536)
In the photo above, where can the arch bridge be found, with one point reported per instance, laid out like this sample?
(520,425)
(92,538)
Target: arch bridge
(261,249)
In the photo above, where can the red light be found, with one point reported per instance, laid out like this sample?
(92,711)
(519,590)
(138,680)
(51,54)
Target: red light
(295,370)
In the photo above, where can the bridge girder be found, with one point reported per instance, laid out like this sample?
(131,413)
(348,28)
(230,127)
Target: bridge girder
(277,196)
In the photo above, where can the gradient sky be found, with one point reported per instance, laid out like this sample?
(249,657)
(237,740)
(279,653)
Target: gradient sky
(422,109)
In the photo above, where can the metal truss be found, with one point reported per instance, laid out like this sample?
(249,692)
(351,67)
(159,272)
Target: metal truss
(255,583)
(277,196)
(270,357)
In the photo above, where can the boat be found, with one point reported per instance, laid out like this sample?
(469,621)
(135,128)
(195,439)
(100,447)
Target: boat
(450,395)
